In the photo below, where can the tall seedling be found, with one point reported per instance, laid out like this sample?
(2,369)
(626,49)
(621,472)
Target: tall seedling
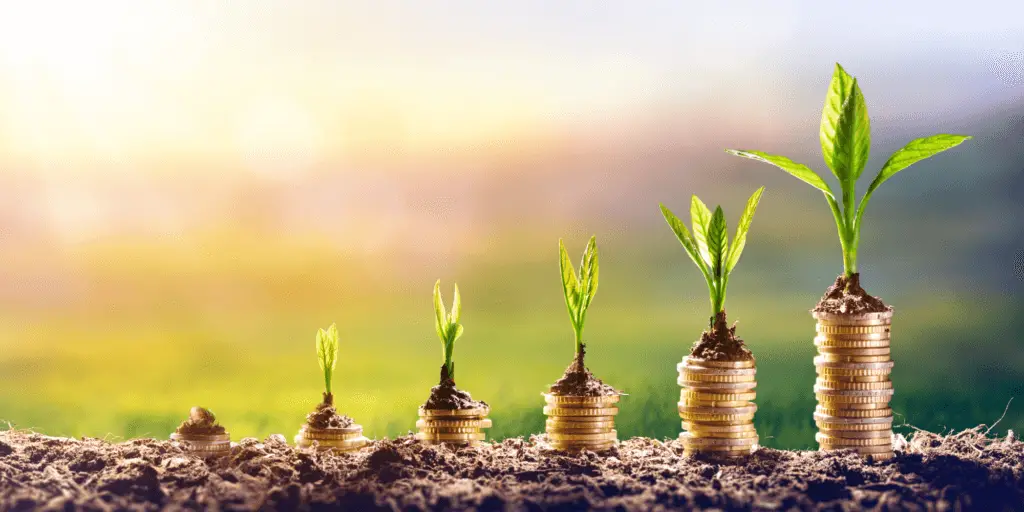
(845,136)
(708,246)
(327,357)
(448,328)
(579,288)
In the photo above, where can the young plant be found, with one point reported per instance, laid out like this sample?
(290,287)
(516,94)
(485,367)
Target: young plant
(579,288)
(448,328)
(327,357)
(845,144)
(708,245)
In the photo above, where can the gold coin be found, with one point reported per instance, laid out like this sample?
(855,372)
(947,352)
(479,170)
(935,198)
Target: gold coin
(750,408)
(845,406)
(854,413)
(819,417)
(852,427)
(575,446)
(879,457)
(687,416)
(200,438)
(854,352)
(827,440)
(854,378)
(433,423)
(857,434)
(693,361)
(694,426)
(718,397)
(583,411)
(326,434)
(586,431)
(603,436)
(581,421)
(451,437)
(695,440)
(717,387)
(588,401)
(689,376)
(852,329)
(852,386)
(860,319)
(751,434)
(836,358)
(852,340)
(448,413)
(327,444)
(717,405)
(826,397)
(449,430)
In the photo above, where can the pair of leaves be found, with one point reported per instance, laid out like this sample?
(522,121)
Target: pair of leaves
(579,289)
(327,352)
(708,246)
(447,323)
(845,136)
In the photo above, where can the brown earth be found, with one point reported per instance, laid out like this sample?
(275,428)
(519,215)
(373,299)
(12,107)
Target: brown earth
(446,396)
(721,343)
(963,471)
(200,422)
(846,296)
(326,416)
(578,381)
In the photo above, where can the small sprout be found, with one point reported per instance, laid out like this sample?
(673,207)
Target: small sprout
(709,246)
(448,327)
(579,288)
(845,136)
(327,356)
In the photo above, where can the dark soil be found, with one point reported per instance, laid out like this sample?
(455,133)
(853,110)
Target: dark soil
(446,396)
(964,471)
(578,381)
(847,297)
(721,343)
(200,422)
(326,416)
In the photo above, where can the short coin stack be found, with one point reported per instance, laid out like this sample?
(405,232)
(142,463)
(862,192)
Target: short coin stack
(853,387)
(344,439)
(204,445)
(581,422)
(717,408)
(461,427)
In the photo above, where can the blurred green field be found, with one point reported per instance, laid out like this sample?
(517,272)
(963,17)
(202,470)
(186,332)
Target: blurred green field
(156,334)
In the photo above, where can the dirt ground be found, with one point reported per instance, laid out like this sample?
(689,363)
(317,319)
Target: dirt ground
(966,470)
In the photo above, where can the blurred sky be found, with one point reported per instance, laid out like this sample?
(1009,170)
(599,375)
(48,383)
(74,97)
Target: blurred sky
(278,87)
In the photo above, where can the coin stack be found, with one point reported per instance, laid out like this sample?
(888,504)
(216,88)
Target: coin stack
(853,387)
(717,408)
(345,439)
(462,427)
(204,445)
(581,422)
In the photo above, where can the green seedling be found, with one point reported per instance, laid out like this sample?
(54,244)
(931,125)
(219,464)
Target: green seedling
(708,246)
(845,144)
(327,357)
(579,288)
(448,328)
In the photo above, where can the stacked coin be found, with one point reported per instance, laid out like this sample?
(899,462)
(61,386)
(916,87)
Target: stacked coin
(853,387)
(345,439)
(204,445)
(717,408)
(462,427)
(581,422)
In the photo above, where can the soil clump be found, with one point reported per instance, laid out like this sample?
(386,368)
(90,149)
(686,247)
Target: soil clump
(578,381)
(721,343)
(326,416)
(846,297)
(446,396)
(200,422)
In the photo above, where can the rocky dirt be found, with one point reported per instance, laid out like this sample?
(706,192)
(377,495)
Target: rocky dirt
(967,471)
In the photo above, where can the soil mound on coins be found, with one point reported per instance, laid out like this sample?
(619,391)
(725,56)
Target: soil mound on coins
(963,471)
(578,381)
(721,343)
(326,416)
(446,396)
(202,423)
(846,297)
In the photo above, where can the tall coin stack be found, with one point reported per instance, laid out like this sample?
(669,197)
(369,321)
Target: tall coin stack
(204,445)
(717,408)
(462,427)
(581,422)
(853,387)
(344,439)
